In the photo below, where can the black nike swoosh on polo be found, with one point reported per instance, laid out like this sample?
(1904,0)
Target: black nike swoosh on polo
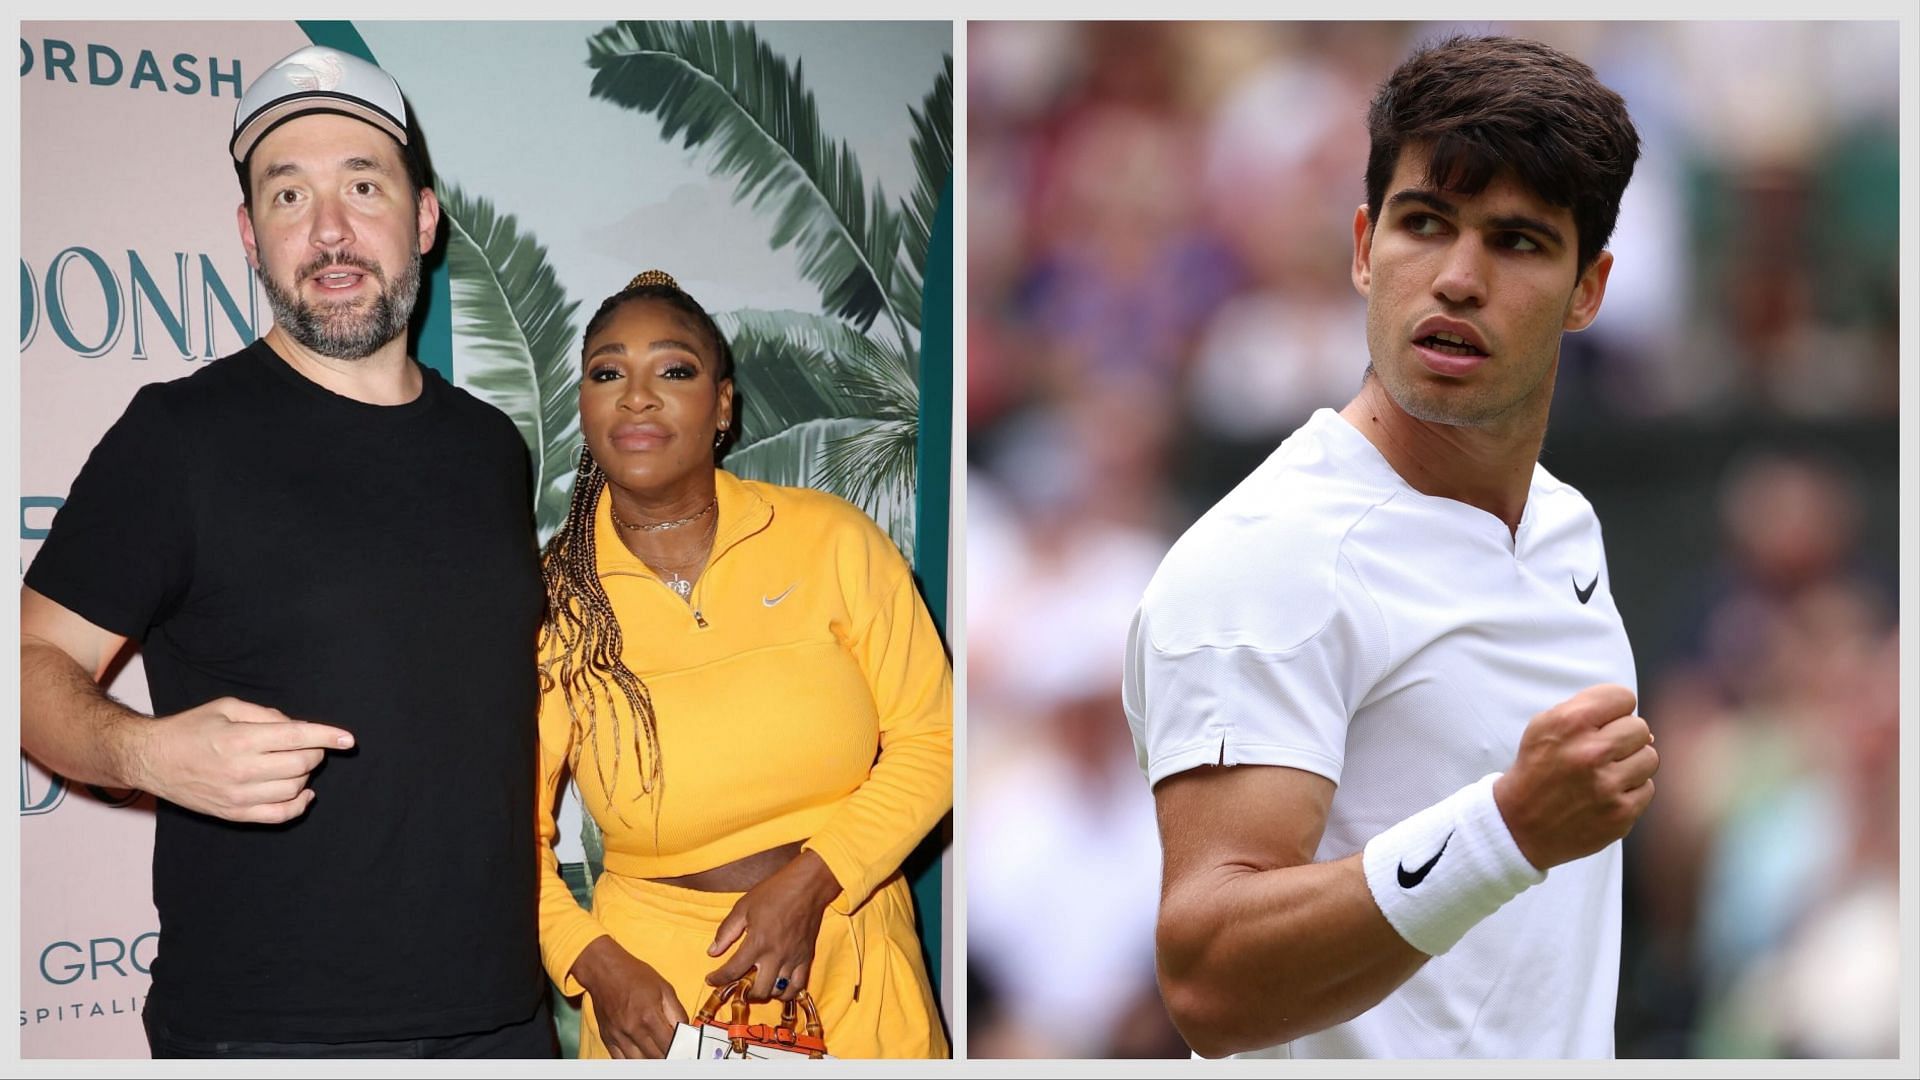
(1586,593)
(1409,880)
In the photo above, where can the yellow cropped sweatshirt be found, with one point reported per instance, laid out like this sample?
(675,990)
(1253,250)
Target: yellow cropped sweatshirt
(803,694)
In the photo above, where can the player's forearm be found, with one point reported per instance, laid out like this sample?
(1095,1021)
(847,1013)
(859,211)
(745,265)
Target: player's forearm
(1251,958)
(70,725)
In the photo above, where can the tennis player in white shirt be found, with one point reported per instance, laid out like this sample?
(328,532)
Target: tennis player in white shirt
(1381,690)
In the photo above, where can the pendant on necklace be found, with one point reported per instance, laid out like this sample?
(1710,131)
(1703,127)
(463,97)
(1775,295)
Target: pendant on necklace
(681,586)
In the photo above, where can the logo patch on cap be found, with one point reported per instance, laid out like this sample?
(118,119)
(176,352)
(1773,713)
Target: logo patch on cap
(314,73)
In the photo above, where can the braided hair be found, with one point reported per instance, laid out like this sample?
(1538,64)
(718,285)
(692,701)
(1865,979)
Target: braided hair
(580,640)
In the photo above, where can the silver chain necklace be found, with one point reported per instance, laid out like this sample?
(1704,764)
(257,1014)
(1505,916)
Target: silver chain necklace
(656,526)
(682,587)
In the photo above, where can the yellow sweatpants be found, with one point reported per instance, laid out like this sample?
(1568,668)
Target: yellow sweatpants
(867,977)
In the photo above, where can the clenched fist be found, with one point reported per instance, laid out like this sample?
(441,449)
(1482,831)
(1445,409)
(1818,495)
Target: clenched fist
(1582,777)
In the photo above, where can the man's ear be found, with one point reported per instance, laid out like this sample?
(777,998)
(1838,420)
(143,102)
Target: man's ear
(1584,304)
(247,239)
(1362,251)
(427,218)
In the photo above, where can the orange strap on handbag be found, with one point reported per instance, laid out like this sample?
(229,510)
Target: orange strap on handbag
(789,1035)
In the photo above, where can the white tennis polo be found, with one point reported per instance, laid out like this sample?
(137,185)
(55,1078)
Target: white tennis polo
(1328,617)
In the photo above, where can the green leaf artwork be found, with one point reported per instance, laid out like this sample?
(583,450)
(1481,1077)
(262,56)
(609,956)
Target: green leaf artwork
(726,95)
(933,161)
(721,89)
(516,327)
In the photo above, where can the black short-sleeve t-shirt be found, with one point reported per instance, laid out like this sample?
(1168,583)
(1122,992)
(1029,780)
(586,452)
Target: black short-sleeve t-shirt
(370,567)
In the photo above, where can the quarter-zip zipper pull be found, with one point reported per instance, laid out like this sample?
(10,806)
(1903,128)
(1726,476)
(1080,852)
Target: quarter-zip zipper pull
(694,597)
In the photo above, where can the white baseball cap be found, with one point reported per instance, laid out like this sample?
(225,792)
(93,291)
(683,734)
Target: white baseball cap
(318,79)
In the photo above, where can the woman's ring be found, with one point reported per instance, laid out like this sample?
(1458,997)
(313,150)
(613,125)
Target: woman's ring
(780,984)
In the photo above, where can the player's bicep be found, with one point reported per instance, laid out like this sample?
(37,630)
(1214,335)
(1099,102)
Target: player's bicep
(47,622)
(1223,820)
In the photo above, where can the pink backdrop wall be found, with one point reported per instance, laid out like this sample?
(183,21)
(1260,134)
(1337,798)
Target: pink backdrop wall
(122,160)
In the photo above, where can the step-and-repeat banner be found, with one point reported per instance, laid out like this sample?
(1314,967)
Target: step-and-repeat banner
(554,195)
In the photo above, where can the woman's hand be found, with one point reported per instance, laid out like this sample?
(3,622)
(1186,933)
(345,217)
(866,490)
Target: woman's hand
(780,918)
(632,1005)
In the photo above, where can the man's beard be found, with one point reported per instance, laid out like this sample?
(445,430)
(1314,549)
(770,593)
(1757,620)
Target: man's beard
(351,330)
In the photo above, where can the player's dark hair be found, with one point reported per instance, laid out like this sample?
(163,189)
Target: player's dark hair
(1486,105)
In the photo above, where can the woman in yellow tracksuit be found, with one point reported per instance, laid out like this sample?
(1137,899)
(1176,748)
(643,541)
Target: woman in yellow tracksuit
(755,706)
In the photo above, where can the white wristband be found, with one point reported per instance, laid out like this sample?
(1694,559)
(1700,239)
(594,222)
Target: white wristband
(1438,873)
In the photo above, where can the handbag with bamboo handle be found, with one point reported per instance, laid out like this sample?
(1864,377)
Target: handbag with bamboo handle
(705,1038)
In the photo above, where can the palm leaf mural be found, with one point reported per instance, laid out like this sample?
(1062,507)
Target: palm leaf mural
(874,465)
(795,369)
(787,368)
(933,161)
(721,87)
(801,455)
(717,86)
(792,457)
(516,332)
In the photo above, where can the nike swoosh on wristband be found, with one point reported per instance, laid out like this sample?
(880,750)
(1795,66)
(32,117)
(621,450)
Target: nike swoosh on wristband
(772,600)
(1409,880)
(1586,593)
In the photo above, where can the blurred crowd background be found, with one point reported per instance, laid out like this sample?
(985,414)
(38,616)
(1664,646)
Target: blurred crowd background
(1158,248)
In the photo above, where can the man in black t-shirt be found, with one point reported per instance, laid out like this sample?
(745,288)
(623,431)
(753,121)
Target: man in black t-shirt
(327,554)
